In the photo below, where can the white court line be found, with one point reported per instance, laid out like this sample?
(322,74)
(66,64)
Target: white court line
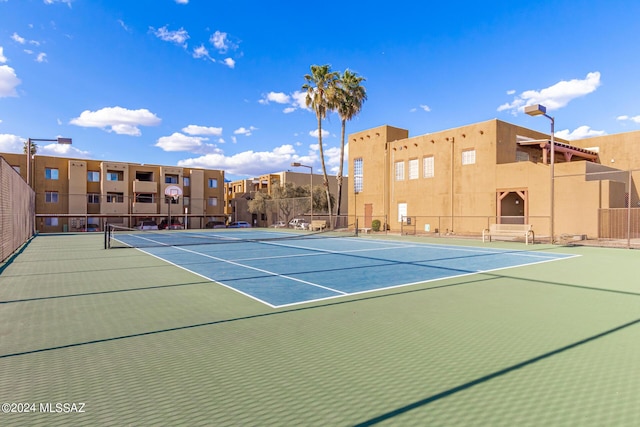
(271,273)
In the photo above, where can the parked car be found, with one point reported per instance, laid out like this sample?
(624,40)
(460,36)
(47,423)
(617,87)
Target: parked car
(279,224)
(91,227)
(215,224)
(239,224)
(175,225)
(147,225)
(298,224)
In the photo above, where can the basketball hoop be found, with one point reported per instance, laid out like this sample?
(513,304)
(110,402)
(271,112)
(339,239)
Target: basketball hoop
(174,192)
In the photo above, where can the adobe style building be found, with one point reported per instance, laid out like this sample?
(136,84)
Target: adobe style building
(71,193)
(239,192)
(461,180)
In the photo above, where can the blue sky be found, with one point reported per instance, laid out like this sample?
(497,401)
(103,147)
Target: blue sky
(218,84)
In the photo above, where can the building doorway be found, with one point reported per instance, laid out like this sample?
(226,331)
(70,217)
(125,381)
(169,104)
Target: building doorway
(512,206)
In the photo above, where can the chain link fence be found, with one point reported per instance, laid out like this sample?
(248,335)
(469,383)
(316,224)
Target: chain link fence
(17,210)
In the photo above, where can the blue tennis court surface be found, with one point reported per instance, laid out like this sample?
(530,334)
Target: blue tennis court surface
(286,272)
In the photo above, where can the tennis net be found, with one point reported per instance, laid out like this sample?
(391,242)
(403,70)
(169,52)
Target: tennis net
(124,237)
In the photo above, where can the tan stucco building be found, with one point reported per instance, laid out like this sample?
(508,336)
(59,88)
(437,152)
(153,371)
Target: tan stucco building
(460,180)
(71,193)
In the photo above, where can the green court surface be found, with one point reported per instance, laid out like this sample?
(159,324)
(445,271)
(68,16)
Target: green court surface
(139,341)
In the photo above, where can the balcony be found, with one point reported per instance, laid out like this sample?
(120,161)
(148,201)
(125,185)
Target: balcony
(145,187)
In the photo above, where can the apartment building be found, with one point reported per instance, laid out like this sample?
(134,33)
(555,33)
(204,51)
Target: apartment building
(72,193)
(458,181)
(238,194)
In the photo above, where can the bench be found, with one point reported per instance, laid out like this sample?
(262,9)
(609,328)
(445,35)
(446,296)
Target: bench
(318,225)
(509,230)
(365,230)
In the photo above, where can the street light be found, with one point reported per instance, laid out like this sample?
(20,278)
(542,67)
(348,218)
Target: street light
(59,140)
(300,165)
(541,110)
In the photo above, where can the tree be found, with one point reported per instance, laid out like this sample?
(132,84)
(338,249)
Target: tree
(320,87)
(34,148)
(349,99)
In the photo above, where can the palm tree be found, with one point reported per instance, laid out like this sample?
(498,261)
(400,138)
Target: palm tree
(320,87)
(349,99)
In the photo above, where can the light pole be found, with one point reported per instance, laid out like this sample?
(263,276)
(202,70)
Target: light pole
(300,165)
(541,110)
(59,140)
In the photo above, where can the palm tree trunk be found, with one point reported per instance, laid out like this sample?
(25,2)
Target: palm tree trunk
(339,177)
(324,171)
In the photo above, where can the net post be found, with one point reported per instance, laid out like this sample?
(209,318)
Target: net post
(356,226)
(106,228)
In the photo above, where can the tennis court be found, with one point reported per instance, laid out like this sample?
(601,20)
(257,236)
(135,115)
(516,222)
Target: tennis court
(141,341)
(286,268)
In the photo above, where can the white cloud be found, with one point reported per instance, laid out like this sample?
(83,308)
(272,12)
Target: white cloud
(202,52)
(63,150)
(8,81)
(42,57)
(16,38)
(244,131)
(11,143)
(579,133)
(556,96)
(124,26)
(221,41)
(182,1)
(229,62)
(117,119)
(178,37)
(180,142)
(295,100)
(277,97)
(3,58)
(314,133)
(202,130)
(249,163)
(67,2)
(635,119)
(511,92)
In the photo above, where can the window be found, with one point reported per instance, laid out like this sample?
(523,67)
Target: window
(522,156)
(51,221)
(399,171)
(186,201)
(114,176)
(213,201)
(171,179)
(144,176)
(115,198)
(93,198)
(93,176)
(51,197)
(428,167)
(357,175)
(402,211)
(413,169)
(186,181)
(144,198)
(468,157)
(213,183)
(50,173)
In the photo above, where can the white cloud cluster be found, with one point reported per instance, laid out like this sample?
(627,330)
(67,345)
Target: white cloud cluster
(10,143)
(182,1)
(67,2)
(635,119)
(423,107)
(579,133)
(293,101)
(555,96)
(15,144)
(202,130)
(178,37)
(117,119)
(249,163)
(245,131)
(219,40)
(180,142)
(40,57)
(8,78)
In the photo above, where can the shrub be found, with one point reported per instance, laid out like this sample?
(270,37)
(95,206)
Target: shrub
(375,225)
